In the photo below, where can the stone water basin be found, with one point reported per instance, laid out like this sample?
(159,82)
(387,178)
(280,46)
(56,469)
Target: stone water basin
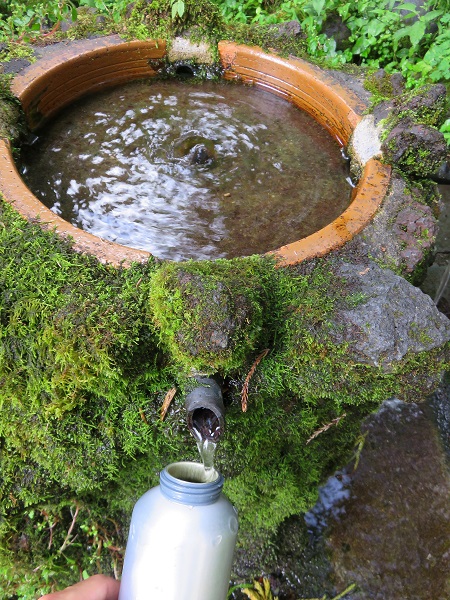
(56,81)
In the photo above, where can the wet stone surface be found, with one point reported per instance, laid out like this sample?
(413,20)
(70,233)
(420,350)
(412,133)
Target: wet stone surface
(437,281)
(190,171)
(392,536)
(381,526)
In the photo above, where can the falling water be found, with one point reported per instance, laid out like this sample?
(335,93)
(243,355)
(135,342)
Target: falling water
(206,430)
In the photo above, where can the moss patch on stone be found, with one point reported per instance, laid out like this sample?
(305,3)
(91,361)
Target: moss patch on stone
(12,122)
(212,315)
(153,20)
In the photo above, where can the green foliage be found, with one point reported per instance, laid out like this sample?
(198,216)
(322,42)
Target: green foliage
(382,35)
(115,9)
(396,37)
(164,19)
(255,11)
(445,129)
(25,21)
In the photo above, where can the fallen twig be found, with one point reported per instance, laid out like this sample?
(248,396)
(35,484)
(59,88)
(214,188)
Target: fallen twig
(244,392)
(325,427)
(142,414)
(167,400)
(72,525)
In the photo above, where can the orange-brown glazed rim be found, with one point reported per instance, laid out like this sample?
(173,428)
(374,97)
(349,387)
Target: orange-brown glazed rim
(57,80)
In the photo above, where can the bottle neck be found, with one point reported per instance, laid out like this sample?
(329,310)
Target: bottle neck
(189,483)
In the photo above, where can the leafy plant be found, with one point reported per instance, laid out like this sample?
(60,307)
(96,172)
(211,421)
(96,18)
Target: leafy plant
(112,8)
(23,21)
(178,8)
(445,129)
(260,590)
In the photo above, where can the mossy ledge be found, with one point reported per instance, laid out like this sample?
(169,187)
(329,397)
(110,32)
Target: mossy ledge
(87,354)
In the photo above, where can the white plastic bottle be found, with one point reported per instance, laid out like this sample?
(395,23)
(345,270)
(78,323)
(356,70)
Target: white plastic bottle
(182,538)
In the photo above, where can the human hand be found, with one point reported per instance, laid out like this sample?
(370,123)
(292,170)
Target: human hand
(97,587)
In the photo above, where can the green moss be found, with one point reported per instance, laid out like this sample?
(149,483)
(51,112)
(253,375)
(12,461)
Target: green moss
(267,37)
(421,162)
(380,87)
(12,123)
(87,354)
(89,23)
(154,20)
(210,315)
(16,50)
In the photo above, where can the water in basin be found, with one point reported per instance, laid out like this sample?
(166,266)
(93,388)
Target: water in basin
(185,171)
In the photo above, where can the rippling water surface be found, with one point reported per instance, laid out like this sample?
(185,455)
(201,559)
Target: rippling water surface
(189,171)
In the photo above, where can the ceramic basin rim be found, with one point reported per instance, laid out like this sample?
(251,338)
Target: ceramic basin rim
(57,80)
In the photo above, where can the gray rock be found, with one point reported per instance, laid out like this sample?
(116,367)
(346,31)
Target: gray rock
(287,29)
(382,111)
(15,65)
(354,83)
(395,319)
(398,83)
(402,233)
(443,173)
(391,537)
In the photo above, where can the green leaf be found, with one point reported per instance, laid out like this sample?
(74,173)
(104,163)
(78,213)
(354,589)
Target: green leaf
(318,6)
(375,27)
(74,13)
(401,33)
(431,16)
(177,9)
(344,10)
(416,33)
(360,45)
(407,6)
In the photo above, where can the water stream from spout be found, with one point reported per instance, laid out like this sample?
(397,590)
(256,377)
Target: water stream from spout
(207,449)
(206,430)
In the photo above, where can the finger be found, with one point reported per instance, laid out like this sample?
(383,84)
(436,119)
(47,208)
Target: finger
(97,587)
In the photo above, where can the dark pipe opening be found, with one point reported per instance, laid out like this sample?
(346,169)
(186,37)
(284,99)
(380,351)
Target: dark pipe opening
(205,410)
(184,71)
(207,424)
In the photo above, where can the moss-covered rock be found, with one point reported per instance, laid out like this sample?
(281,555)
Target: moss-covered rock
(12,123)
(154,20)
(211,317)
(401,235)
(411,139)
(88,353)
(418,150)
